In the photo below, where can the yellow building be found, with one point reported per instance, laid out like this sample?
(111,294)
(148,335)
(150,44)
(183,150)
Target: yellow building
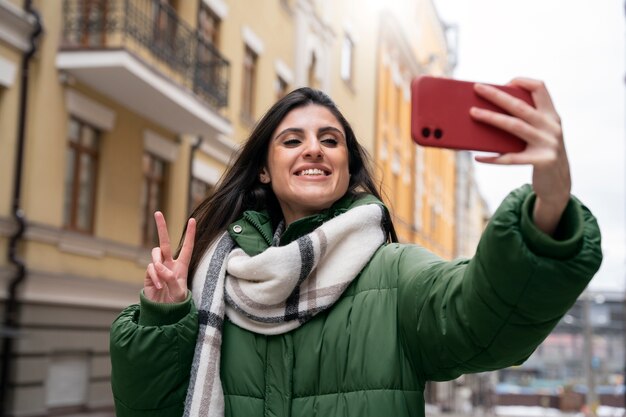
(419,182)
(472,212)
(134,106)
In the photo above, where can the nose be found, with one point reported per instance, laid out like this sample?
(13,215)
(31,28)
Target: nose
(313,149)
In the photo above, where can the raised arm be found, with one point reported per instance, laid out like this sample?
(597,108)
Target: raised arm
(492,311)
(152,344)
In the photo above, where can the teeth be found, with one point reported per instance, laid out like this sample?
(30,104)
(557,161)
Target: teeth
(312,171)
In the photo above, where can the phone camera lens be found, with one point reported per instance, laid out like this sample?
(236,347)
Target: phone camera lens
(438,133)
(426,132)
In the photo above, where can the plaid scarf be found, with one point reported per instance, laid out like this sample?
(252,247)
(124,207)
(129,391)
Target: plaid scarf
(273,292)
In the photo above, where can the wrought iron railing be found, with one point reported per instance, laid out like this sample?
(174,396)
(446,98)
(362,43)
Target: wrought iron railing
(153,31)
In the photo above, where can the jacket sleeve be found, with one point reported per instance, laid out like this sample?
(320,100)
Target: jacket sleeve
(492,311)
(152,346)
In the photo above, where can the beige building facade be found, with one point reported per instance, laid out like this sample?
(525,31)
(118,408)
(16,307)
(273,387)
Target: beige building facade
(133,106)
(419,182)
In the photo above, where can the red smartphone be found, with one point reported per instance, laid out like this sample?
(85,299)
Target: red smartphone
(440,116)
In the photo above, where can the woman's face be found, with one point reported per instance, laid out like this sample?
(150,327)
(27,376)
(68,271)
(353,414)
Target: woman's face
(307,162)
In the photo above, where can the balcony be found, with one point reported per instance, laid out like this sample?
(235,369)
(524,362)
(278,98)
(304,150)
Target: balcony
(142,55)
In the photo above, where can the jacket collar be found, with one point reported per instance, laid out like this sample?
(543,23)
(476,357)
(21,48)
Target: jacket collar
(253,232)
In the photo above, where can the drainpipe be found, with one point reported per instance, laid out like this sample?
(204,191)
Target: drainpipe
(11,325)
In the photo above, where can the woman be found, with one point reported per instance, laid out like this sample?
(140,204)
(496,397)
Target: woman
(301,304)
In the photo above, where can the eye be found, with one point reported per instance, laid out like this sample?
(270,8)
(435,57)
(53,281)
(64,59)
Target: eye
(292,142)
(330,141)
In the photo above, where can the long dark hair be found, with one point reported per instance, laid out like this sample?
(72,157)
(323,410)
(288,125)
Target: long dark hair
(239,189)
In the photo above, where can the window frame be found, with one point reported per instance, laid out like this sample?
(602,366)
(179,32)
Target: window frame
(209,189)
(281,87)
(70,220)
(214,39)
(149,237)
(248,85)
(347,59)
(312,80)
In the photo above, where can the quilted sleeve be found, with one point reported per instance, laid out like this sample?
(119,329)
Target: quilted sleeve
(492,311)
(152,346)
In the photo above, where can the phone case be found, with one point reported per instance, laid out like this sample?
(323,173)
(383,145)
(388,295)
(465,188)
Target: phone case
(440,116)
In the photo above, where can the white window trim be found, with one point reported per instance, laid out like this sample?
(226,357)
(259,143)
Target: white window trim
(253,41)
(406,86)
(349,30)
(347,58)
(384,152)
(284,71)
(396,76)
(350,34)
(396,165)
(89,110)
(160,146)
(406,176)
(219,147)
(219,7)
(7,72)
(16,26)
(205,172)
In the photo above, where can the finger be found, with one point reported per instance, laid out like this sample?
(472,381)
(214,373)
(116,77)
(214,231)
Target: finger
(185,252)
(152,274)
(513,105)
(539,93)
(510,124)
(156,255)
(164,237)
(505,159)
(163,273)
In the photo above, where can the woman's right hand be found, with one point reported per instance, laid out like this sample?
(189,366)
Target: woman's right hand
(166,278)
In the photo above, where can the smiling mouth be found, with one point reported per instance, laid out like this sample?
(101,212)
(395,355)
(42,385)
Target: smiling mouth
(312,172)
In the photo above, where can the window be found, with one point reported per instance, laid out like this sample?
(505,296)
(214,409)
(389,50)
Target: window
(209,25)
(312,72)
(92,22)
(80,176)
(207,73)
(249,81)
(165,25)
(347,59)
(152,196)
(282,87)
(200,190)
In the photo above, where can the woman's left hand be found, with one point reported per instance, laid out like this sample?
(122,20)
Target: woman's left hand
(540,128)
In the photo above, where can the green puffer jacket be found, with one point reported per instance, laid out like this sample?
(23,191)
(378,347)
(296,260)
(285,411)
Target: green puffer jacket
(408,318)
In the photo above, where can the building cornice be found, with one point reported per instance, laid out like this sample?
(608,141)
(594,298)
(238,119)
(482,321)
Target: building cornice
(66,289)
(78,243)
(16,26)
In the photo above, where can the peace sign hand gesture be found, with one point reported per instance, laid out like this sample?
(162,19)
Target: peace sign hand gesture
(166,278)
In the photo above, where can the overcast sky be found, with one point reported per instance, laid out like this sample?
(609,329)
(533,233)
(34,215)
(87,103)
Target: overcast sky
(578,48)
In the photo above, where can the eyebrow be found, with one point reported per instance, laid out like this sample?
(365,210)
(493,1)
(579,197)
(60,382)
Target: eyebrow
(320,131)
(333,129)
